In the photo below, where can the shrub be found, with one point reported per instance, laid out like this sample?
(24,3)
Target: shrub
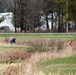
(52,44)
(60,45)
(74,45)
(46,45)
(20,43)
(38,45)
(18,55)
(13,56)
(6,40)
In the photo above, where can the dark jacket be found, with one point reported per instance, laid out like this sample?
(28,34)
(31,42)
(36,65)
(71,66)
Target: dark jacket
(13,40)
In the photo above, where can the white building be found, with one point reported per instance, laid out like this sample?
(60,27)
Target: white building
(7,20)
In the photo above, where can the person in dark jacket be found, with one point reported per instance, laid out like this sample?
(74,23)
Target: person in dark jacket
(13,40)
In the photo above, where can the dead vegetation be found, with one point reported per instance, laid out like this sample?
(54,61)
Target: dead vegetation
(47,45)
(6,40)
(14,56)
(28,64)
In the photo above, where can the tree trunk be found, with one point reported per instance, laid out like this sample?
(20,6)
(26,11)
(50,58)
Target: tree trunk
(52,22)
(15,15)
(47,22)
(21,21)
(75,25)
(62,24)
(25,25)
(21,7)
(25,21)
(34,25)
(59,28)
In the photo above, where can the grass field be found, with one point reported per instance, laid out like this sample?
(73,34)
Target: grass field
(65,65)
(46,63)
(31,36)
(39,35)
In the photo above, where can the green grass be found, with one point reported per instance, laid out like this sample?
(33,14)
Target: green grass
(38,35)
(14,47)
(4,47)
(67,60)
(60,65)
(32,36)
(63,66)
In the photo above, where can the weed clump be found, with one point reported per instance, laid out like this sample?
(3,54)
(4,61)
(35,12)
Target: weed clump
(14,56)
(47,45)
(6,40)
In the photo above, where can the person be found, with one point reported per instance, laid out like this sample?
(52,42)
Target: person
(13,40)
(70,43)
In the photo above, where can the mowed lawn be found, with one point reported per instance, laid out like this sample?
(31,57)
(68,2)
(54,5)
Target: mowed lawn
(61,66)
(31,36)
(62,35)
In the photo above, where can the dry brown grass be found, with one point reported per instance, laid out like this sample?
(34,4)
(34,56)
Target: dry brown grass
(6,40)
(22,43)
(30,66)
(14,55)
(47,44)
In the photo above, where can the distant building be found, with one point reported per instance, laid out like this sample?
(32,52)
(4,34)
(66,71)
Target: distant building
(7,22)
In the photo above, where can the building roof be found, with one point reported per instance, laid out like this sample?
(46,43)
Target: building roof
(8,16)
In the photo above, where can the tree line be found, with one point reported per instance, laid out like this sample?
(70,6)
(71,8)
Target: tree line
(32,14)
